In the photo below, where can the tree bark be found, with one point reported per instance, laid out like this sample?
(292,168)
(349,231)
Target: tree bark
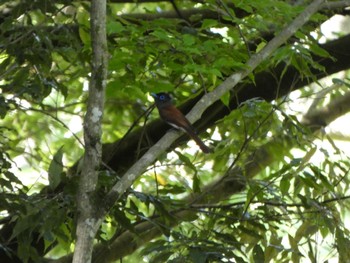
(88,222)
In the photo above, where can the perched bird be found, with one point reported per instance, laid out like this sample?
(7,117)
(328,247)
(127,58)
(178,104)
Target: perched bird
(170,114)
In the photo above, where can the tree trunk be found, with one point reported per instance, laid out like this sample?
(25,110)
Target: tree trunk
(88,222)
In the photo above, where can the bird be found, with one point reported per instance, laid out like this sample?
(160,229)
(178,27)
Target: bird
(174,117)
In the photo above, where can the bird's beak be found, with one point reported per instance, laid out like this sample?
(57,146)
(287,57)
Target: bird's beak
(154,95)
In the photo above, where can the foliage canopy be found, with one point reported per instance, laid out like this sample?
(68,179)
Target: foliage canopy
(276,186)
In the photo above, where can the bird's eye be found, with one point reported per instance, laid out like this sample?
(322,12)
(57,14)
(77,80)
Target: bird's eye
(162,97)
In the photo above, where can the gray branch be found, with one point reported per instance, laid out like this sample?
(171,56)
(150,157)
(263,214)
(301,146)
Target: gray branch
(88,221)
(152,154)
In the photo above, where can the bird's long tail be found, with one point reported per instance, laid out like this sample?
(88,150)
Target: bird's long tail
(199,142)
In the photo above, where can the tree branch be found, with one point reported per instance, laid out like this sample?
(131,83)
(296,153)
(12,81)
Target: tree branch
(219,190)
(151,155)
(88,222)
(120,156)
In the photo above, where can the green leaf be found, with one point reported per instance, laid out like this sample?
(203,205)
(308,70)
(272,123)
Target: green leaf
(85,37)
(188,40)
(3,107)
(162,256)
(258,254)
(315,48)
(155,246)
(198,256)
(285,184)
(305,230)
(187,161)
(161,34)
(189,164)
(215,72)
(114,27)
(159,86)
(172,189)
(196,184)
(340,82)
(22,224)
(56,169)
(260,46)
(209,23)
(225,99)
(343,245)
(296,161)
(134,208)
(309,180)
(123,220)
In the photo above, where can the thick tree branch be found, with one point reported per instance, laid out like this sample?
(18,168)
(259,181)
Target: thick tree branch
(265,87)
(151,155)
(217,15)
(121,155)
(88,222)
(219,190)
(322,117)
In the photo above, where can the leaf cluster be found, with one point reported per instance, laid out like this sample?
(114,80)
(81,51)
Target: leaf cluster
(283,207)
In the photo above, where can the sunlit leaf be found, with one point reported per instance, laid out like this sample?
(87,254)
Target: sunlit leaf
(56,169)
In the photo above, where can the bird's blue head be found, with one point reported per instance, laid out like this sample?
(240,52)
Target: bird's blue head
(161,97)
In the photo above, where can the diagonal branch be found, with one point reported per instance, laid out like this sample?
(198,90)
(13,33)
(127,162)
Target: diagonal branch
(219,190)
(121,156)
(151,155)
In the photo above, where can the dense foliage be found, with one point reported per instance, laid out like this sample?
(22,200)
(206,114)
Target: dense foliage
(276,186)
